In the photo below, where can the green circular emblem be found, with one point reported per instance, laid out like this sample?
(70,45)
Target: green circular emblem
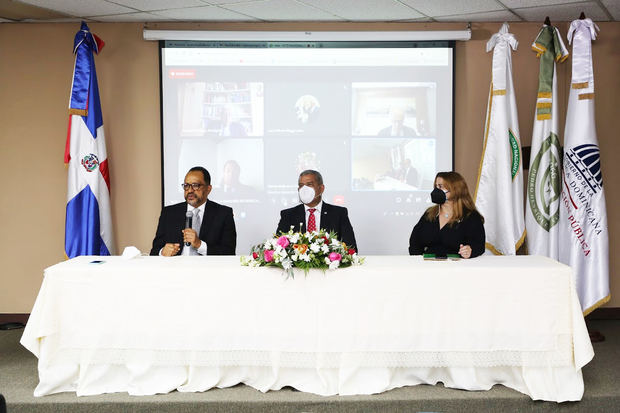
(544,183)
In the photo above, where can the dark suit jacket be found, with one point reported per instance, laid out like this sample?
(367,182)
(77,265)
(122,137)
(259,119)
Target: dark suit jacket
(333,218)
(217,229)
(411,177)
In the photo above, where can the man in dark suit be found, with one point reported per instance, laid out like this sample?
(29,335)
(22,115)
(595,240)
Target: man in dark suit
(410,174)
(213,227)
(313,213)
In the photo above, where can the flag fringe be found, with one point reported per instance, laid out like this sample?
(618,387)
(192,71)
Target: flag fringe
(539,49)
(484,146)
(544,116)
(544,95)
(491,248)
(518,245)
(541,105)
(499,92)
(586,96)
(596,305)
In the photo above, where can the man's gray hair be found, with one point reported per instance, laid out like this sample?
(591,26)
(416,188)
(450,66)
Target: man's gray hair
(316,174)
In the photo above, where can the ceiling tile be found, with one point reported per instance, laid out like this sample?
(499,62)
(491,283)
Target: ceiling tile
(230,1)
(566,13)
(60,20)
(80,7)
(131,17)
(421,19)
(520,4)
(366,10)
(492,16)
(451,7)
(205,13)
(278,10)
(149,5)
(613,7)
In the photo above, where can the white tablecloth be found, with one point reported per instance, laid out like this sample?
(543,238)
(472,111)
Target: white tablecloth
(154,324)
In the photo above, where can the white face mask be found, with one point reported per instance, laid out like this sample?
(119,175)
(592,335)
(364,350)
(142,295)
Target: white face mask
(306,194)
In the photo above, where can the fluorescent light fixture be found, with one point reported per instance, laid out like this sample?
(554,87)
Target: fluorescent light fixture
(205,35)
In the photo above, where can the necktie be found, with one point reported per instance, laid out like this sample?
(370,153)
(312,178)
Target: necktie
(311,220)
(196,227)
(196,221)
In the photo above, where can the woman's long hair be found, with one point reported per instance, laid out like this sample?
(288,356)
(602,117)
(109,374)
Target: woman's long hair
(462,202)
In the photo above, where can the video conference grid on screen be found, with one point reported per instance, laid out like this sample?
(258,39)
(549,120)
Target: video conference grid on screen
(376,122)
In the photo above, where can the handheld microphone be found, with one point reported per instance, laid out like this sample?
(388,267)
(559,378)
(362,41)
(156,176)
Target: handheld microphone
(188,222)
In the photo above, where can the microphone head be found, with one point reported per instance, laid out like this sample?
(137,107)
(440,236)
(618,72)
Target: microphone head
(188,222)
(188,219)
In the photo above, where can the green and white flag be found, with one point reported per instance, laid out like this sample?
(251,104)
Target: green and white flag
(499,191)
(544,183)
(583,217)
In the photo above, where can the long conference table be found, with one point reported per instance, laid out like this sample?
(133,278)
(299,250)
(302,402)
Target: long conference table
(153,325)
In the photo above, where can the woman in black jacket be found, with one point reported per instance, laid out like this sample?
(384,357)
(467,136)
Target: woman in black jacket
(453,225)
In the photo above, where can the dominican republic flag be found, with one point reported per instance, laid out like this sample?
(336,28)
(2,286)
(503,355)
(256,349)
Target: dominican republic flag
(88,225)
(584,238)
(499,192)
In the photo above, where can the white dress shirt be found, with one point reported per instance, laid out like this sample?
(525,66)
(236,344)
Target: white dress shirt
(317,214)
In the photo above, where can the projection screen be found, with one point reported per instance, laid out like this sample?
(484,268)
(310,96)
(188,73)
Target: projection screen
(375,118)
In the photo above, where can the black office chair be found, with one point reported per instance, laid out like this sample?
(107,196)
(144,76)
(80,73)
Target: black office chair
(2,404)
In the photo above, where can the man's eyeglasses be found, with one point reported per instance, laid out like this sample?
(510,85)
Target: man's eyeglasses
(194,186)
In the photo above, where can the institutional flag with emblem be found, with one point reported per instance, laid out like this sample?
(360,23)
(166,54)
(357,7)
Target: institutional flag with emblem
(583,217)
(499,190)
(88,224)
(544,183)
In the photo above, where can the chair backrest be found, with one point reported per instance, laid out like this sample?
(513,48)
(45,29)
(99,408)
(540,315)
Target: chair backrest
(2,404)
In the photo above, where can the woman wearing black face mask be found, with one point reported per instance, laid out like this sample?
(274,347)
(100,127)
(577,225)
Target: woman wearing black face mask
(453,225)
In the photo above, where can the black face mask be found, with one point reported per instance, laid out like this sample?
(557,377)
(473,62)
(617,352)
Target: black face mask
(438,196)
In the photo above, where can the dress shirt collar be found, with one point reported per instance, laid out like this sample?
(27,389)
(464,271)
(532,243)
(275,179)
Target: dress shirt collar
(201,208)
(318,208)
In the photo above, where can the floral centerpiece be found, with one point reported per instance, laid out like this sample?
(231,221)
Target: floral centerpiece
(304,250)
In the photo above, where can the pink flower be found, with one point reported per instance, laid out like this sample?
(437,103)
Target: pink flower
(334,256)
(283,241)
(269,255)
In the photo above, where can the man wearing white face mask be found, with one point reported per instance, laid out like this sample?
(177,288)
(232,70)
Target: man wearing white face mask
(314,214)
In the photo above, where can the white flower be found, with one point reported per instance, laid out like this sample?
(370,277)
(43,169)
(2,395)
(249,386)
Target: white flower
(335,242)
(294,238)
(286,263)
(305,257)
(334,264)
(315,247)
(295,257)
(325,249)
(327,261)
